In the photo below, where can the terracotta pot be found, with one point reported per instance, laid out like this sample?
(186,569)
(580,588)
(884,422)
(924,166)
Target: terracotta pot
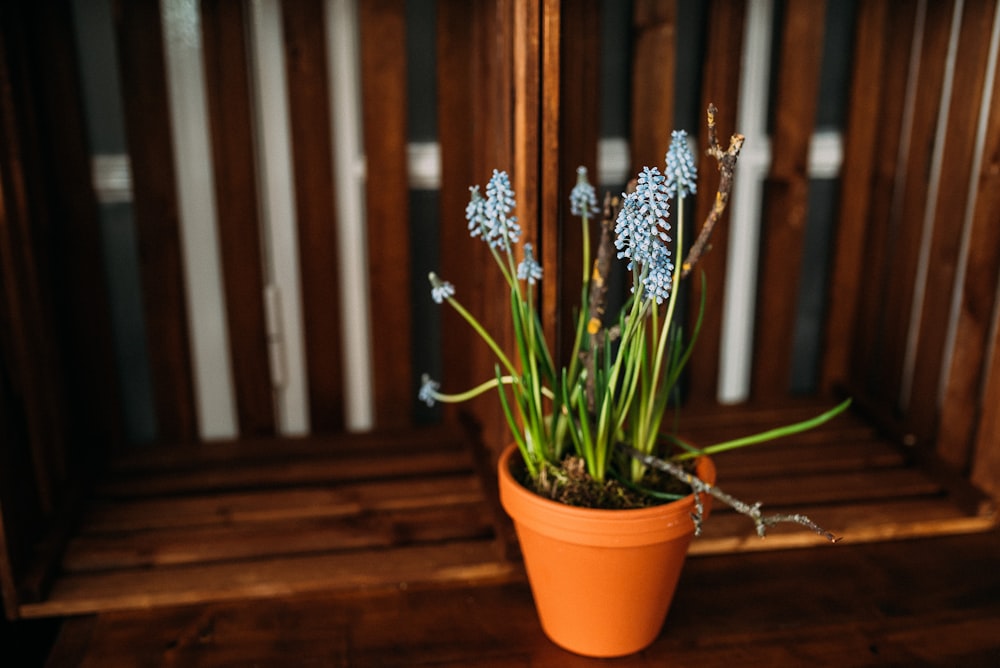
(602,579)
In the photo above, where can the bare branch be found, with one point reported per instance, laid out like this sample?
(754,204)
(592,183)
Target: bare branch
(726,160)
(699,486)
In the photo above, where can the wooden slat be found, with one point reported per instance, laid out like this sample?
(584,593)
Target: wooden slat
(964,408)
(786,196)
(720,86)
(384,110)
(239,541)
(290,471)
(219,508)
(863,143)
(23,396)
(309,126)
(986,461)
(186,457)
(949,215)
(866,375)
(576,145)
(861,522)
(456,561)
(654,58)
(81,319)
(901,263)
(526,60)
(800,456)
(154,194)
(227,87)
(475,121)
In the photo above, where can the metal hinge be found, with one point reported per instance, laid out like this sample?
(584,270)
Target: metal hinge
(275,338)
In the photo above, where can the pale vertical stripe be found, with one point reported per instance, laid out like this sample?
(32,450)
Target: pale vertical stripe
(343,61)
(930,207)
(736,348)
(275,176)
(970,207)
(206,307)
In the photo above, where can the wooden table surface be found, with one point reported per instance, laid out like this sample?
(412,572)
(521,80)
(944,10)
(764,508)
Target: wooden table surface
(926,602)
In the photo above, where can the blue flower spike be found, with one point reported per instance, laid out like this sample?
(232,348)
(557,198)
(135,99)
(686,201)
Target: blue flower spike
(583,198)
(475,213)
(500,229)
(529,269)
(643,218)
(440,290)
(641,233)
(682,175)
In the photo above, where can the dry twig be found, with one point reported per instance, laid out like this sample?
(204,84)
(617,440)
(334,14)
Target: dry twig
(727,164)
(699,486)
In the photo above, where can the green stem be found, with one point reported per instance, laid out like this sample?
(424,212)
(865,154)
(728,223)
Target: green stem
(482,388)
(768,435)
(469,318)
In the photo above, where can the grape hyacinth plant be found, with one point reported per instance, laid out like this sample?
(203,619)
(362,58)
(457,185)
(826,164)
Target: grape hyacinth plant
(600,417)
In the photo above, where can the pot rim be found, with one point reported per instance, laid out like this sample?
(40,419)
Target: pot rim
(632,526)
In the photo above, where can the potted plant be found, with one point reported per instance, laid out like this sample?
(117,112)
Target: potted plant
(604,493)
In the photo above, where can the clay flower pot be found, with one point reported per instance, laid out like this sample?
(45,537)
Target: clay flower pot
(602,580)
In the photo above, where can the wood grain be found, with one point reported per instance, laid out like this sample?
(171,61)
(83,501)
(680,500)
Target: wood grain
(139,39)
(387,197)
(309,125)
(227,84)
(720,86)
(785,199)
(944,245)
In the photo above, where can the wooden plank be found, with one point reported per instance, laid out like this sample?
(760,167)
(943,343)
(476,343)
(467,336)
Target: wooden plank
(965,410)
(291,471)
(654,26)
(233,542)
(387,196)
(786,191)
(442,437)
(139,38)
(720,86)
(842,605)
(312,161)
(794,490)
(475,118)
(449,562)
(863,142)
(950,211)
(576,145)
(802,457)
(866,375)
(905,244)
(855,523)
(227,88)
(256,506)
(70,249)
(986,461)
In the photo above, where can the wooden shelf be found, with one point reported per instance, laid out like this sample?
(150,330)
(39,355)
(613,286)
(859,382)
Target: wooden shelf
(234,521)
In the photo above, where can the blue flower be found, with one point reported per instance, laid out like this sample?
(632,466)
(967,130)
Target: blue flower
(582,199)
(475,212)
(428,390)
(499,227)
(529,268)
(658,280)
(642,222)
(440,290)
(682,175)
